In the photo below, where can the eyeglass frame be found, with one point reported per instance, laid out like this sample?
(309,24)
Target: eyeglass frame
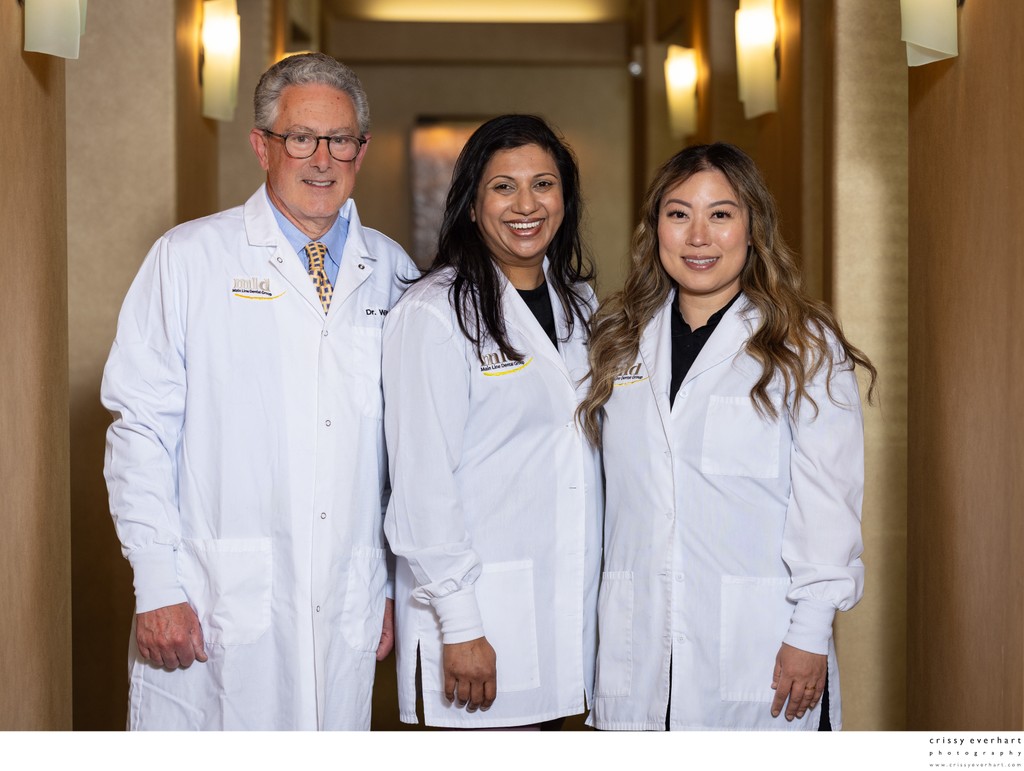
(284,138)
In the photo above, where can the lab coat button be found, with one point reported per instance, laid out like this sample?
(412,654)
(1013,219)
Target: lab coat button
(323,515)
(325,333)
(327,423)
(684,393)
(679,577)
(362,267)
(279,259)
(317,608)
(680,639)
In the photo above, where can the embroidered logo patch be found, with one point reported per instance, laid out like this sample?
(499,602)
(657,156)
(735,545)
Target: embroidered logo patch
(253,289)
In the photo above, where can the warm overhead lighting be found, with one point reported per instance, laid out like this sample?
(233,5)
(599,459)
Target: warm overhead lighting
(681,87)
(929,30)
(54,26)
(756,34)
(221,44)
(494,11)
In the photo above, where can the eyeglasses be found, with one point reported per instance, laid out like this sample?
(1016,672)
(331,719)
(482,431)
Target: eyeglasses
(301,145)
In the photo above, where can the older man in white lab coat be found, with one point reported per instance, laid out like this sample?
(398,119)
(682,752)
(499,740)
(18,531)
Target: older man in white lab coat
(246,463)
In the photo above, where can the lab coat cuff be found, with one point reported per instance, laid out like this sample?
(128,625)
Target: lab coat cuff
(810,629)
(156,579)
(459,615)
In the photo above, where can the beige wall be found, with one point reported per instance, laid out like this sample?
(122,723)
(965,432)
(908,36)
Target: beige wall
(35,554)
(966,535)
(239,173)
(583,89)
(140,160)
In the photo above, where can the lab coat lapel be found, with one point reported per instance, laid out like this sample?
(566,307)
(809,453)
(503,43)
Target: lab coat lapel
(656,354)
(726,341)
(356,261)
(261,229)
(519,315)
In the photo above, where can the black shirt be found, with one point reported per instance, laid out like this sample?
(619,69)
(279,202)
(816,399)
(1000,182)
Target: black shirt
(539,303)
(687,343)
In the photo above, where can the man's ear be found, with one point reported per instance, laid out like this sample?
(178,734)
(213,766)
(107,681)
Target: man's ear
(258,142)
(358,162)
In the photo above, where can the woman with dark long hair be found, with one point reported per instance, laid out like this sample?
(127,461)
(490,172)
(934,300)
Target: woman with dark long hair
(730,418)
(495,505)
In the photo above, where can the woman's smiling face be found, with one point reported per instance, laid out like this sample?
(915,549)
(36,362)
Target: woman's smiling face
(519,208)
(703,236)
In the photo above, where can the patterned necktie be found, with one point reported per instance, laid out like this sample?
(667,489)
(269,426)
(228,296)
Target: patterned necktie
(316,252)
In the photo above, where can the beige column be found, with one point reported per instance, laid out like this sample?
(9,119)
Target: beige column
(140,160)
(866,170)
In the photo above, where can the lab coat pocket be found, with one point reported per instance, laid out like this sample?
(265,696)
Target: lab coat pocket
(504,594)
(228,581)
(738,441)
(361,359)
(363,613)
(615,635)
(755,618)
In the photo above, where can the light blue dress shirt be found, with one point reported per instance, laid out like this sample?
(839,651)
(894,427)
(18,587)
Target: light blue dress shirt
(334,239)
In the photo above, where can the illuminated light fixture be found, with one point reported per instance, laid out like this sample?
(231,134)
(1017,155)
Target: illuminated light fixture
(490,11)
(756,35)
(681,87)
(219,58)
(929,30)
(54,26)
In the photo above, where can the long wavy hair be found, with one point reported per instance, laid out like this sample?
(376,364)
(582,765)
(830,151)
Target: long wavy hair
(477,284)
(793,338)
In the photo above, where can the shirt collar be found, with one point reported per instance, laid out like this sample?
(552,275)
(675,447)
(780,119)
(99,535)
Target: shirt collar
(333,239)
(679,323)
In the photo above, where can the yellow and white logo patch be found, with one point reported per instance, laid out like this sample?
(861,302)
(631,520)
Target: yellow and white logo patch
(497,364)
(631,375)
(253,288)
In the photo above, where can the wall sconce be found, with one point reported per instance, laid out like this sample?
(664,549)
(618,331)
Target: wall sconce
(54,26)
(681,88)
(929,30)
(756,35)
(218,68)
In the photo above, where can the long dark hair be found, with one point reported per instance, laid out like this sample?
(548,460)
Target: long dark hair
(476,287)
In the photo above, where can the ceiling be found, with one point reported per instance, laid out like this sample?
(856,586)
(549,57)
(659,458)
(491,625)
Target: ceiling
(548,11)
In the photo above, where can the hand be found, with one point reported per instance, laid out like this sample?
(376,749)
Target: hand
(800,677)
(470,673)
(387,632)
(170,637)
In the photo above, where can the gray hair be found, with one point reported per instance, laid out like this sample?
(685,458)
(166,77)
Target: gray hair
(303,70)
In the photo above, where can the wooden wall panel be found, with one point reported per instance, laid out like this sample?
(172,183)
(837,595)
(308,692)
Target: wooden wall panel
(35,550)
(966,534)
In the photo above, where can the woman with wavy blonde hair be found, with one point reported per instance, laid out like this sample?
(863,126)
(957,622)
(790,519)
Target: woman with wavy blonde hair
(729,414)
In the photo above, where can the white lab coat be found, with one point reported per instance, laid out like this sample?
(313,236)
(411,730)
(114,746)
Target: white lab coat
(495,511)
(726,534)
(246,469)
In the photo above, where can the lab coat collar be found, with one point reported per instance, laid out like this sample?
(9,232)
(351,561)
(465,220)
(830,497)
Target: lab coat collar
(728,339)
(262,229)
(519,315)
